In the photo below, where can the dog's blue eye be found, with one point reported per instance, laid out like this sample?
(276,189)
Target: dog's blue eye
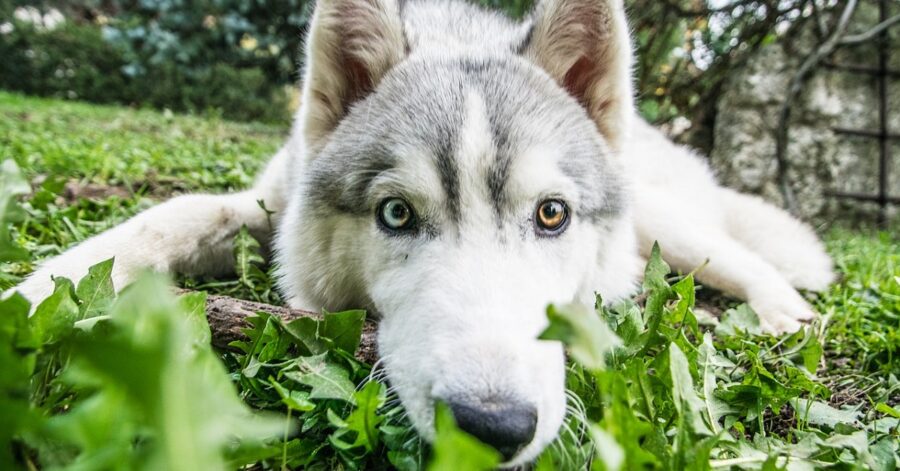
(395,214)
(551,217)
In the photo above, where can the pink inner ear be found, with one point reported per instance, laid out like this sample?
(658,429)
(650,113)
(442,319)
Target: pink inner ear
(361,29)
(578,79)
(359,82)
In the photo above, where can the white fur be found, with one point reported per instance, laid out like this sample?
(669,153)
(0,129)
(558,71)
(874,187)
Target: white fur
(754,250)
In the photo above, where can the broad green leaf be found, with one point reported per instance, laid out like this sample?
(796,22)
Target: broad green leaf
(887,410)
(344,328)
(884,454)
(629,323)
(857,441)
(610,456)
(247,258)
(740,320)
(296,400)
(305,332)
(95,290)
(102,428)
(658,294)
(587,336)
(456,450)
(187,411)
(640,440)
(820,413)
(12,184)
(687,402)
(17,362)
(194,307)
(266,341)
(338,329)
(55,316)
(709,363)
(811,352)
(328,379)
(363,422)
(686,298)
(656,270)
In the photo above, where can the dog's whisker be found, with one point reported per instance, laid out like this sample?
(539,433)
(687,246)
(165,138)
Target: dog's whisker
(578,416)
(575,399)
(378,370)
(410,442)
(576,409)
(567,428)
(562,452)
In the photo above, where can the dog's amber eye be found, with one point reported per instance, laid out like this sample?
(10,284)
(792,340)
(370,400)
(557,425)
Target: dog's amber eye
(395,214)
(551,217)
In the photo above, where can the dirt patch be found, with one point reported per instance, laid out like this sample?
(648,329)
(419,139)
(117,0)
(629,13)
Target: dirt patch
(74,190)
(782,423)
(849,396)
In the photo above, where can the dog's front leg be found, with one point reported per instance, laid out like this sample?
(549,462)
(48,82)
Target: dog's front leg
(724,263)
(189,234)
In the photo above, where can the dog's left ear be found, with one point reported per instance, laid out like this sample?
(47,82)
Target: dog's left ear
(584,45)
(350,46)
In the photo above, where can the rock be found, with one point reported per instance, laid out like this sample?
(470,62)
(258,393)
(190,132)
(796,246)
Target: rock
(821,160)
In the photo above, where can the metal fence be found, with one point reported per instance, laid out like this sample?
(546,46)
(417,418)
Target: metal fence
(883,134)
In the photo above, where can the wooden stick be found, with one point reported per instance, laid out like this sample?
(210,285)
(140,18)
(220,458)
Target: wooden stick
(228,317)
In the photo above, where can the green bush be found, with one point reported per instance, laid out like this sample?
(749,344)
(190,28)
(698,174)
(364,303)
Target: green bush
(75,62)
(239,94)
(191,35)
(70,62)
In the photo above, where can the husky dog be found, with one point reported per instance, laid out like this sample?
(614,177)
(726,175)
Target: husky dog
(455,171)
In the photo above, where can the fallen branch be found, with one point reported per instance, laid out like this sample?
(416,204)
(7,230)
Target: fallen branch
(228,317)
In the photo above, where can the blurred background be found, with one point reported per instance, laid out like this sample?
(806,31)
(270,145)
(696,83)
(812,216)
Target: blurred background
(797,100)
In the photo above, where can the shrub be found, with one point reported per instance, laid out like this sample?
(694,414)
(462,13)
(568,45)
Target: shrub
(192,35)
(74,61)
(70,62)
(238,94)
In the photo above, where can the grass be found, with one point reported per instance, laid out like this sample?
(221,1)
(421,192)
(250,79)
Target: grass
(674,394)
(137,156)
(139,149)
(863,311)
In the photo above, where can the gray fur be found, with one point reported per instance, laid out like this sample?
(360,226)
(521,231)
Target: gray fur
(499,170)
(442,24)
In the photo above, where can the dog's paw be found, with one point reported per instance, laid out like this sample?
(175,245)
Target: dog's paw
(781,310)
(815,280)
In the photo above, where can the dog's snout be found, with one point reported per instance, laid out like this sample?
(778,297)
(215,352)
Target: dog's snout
(507,426)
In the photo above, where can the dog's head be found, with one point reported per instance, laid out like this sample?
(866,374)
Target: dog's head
(458,188)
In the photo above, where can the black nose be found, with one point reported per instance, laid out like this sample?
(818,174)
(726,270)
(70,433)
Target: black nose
(508,427)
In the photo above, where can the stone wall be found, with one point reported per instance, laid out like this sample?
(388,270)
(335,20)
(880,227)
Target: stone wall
(820,160)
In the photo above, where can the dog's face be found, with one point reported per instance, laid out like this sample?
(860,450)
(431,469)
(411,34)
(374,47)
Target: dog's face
(458,196)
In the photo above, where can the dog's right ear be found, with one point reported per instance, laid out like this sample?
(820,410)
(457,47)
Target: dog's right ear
(350,46)
(584,45)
